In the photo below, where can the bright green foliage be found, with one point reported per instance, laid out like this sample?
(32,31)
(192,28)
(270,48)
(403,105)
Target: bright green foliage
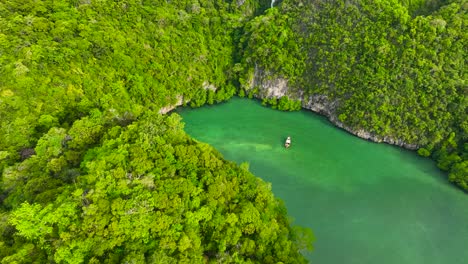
(89,173)
(146,193)
(286,104)
(270,40)
(62,59)
(283,103)
(424,152)
(392,71)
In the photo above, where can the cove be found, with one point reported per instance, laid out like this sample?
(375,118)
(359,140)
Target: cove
(365,202)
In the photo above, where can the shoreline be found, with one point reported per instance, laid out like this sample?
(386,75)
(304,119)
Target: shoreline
(320,105)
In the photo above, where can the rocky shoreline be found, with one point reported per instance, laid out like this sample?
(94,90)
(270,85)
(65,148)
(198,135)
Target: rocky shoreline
(168,108)
(321,104)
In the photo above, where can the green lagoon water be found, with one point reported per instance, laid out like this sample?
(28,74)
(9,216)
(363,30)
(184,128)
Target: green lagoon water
(365,202)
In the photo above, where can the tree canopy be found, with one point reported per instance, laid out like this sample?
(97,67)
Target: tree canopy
(145,192)
(396,68)
(91,173)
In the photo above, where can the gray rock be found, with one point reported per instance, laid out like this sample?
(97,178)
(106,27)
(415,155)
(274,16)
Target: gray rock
(277,87)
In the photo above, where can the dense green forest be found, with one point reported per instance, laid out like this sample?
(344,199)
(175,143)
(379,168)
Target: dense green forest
(146,192)
(396,68)
(119,56)
(92,173)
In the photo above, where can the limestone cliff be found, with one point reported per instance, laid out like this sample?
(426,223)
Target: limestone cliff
(168,108)
(180,100)
(277,87)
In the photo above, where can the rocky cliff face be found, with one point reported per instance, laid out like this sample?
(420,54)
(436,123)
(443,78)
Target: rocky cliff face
(168,108)
(321,104)
(181,100)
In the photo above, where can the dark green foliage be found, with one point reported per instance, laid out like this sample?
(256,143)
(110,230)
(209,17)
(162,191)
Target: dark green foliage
(145,193)
(423,7)
(394,72)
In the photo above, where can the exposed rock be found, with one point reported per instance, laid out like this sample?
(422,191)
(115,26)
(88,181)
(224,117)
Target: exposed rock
(321,104)
(168,108)
(180,99)
(208,86)
(27,153)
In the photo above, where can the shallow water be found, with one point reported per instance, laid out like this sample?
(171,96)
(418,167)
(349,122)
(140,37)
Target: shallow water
(365,202)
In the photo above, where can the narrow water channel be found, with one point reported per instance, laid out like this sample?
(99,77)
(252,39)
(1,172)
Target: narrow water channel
(365,202)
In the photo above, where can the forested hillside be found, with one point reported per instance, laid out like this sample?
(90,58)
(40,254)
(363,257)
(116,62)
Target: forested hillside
(119,56)
(90,172)
(145,192)
(394,68)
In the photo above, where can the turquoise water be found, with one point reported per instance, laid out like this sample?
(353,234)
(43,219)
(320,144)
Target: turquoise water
(365,202)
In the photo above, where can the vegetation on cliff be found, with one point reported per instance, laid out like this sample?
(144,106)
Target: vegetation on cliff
(90,174)
(396,68)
